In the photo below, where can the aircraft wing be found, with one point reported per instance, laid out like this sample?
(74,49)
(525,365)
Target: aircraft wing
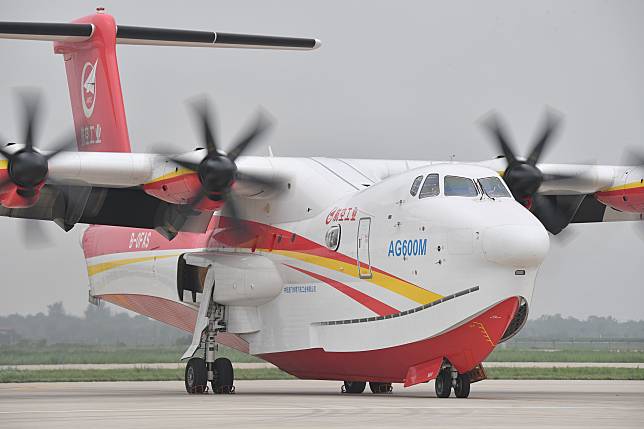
(589,193)
(125,189)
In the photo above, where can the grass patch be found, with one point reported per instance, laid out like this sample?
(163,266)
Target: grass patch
(144,374)
(139,374)
(565,373)
(79,354)
(568,355)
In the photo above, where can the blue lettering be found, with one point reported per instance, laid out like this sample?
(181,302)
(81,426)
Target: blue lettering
(415,247)
(422,247)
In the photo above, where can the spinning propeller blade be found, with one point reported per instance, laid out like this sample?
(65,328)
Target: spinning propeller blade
(524,177)
(218,171)
(28,168)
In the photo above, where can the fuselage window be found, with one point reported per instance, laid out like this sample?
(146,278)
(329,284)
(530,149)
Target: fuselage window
(456,186)
(493,187)
(414,186)
(430,188)
(332,238)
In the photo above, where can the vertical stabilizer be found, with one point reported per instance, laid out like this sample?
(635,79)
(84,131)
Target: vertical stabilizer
(95,87)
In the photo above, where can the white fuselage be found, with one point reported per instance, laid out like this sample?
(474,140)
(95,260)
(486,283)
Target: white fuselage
(411,252)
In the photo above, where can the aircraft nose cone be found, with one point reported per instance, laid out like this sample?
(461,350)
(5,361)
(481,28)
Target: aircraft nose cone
(516,245)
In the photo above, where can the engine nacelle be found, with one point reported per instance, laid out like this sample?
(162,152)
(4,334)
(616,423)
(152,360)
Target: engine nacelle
(240,280)
(628,195)
(12,198)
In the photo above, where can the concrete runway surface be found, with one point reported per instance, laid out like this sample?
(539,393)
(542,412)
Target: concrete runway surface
(313,404)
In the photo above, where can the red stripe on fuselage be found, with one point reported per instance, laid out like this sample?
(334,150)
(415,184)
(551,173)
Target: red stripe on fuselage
(378,307)
(105,240)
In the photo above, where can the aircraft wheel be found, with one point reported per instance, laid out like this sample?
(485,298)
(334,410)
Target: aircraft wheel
(224,376)
(462,387)
(196,376)
(354,386)
(443,384)
(380,387)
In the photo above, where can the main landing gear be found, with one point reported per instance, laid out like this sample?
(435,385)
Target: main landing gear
(449,378)
(359,386)
(199,371)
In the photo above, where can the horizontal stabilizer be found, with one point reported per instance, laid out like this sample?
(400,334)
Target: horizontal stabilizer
(46,31)
(129,35)
(168,37)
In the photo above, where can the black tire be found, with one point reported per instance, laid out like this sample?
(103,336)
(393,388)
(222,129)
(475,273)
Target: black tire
(224,376)
(196,376)
(377,387)
(354,386)
(443,384)
(462,387)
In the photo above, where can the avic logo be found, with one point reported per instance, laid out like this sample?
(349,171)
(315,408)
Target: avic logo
(416,247)
(88,88)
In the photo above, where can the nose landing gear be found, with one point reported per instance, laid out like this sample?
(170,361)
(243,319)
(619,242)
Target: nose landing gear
(449,378)
(462,386)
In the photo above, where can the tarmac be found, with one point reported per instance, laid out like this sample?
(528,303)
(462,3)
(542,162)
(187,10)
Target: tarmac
(317,404)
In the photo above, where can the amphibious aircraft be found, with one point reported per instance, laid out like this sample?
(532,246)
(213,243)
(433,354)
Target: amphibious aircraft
(356,270)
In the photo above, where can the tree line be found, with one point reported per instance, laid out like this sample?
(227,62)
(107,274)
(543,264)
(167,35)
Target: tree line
(101,325)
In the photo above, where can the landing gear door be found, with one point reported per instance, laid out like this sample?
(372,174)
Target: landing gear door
(364,260)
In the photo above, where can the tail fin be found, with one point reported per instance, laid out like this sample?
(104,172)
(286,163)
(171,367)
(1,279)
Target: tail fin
(88,46)
(95,87)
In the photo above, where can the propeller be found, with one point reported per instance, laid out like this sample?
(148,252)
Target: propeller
(218,171)
(28,168)
(524,178)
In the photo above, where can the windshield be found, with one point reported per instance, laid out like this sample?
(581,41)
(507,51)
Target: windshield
(430,187)
(493,187)
(456,186)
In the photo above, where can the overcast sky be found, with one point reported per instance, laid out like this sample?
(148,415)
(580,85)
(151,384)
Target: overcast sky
(393,79)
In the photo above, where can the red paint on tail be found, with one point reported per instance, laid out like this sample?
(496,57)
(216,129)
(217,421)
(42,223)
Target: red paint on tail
(95,87)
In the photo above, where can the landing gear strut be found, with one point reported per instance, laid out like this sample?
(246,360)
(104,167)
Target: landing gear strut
(199,371)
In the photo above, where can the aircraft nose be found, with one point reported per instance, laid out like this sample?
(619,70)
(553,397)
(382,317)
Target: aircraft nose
(516,245)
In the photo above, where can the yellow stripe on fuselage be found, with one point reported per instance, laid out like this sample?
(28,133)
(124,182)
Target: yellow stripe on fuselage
(104,266)
(4,164)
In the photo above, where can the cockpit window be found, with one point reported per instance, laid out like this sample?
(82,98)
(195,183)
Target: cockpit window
(456,186)
(493,187)
(431,187)
(414,186)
